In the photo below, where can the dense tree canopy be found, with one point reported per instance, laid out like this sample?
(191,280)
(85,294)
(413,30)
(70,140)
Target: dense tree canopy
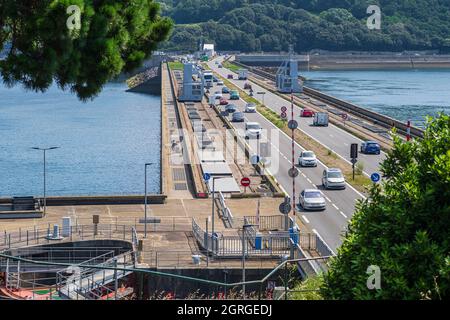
(114,36)
(403,228)
(270,25)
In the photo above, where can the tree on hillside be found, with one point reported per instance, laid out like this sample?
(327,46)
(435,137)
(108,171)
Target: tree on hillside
(113,36)
(403,227)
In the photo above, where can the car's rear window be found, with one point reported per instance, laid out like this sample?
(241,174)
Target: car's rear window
(308,154)
(313,194)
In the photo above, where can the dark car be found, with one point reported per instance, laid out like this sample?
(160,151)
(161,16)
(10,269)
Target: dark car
(238,117)
(230,108)
(230,76)
(370,147)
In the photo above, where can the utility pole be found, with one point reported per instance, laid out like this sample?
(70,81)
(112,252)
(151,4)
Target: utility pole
(145,200)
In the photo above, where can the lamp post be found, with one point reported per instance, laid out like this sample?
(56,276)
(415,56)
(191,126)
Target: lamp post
(145,200)
(245,226)
(45,173)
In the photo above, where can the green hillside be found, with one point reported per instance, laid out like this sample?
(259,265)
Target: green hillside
(270,25)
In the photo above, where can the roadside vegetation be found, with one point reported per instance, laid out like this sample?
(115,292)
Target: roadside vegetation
(402,228)
(231,66)
(308,289)
(335,25)
(175,65)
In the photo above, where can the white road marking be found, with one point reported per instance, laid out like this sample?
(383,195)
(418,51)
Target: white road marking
(336,207)
(305,218)
(343,214)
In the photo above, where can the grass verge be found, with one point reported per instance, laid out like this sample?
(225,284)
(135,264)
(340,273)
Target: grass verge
(175,65)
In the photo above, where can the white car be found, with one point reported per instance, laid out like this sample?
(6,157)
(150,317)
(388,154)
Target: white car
(333,178)
(307,159)
(250,108)
(252,130)
(312,199)
(220,83)
(218,95)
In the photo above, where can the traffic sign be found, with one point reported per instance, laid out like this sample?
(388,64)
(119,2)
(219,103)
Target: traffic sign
(354,151)
(285,208)
(245,182)
(293,124)
(344,116)
(284,115)
(375,177)
(206,176)
(293,172)
(283,109)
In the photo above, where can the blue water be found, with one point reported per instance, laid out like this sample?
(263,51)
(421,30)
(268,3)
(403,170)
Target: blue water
(104,143)
(400,94)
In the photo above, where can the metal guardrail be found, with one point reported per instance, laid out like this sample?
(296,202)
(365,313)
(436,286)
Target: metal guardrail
(380,119)
(322,248)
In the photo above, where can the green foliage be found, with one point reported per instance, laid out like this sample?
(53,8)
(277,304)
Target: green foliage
(175,65)
(403,227)
(270,25)
(115,36)
(308,289)
(359,168)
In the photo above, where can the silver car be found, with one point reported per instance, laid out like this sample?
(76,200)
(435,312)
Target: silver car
(250,108)
(307,159)
(332,178)
(312,199)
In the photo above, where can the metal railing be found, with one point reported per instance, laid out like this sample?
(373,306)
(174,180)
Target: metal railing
(270,245)
(225,211)
(90,283)
(322,248)
(118,229)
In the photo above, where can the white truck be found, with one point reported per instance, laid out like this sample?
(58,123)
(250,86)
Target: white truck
(242,74)
(321,119)
(208,78)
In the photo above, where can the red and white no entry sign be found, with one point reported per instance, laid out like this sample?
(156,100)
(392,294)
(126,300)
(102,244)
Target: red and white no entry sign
(245,182)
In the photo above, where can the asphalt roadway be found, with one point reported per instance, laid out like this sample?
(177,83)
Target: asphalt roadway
(331,223)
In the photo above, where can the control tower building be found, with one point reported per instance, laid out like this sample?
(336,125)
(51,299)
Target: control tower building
(287,75)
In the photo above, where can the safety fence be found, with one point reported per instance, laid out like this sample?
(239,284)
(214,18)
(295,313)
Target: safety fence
(251,242)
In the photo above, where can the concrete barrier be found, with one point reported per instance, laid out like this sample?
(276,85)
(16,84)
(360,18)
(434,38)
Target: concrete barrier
(99,200)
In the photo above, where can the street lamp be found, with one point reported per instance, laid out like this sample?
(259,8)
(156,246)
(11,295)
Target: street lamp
(145,197)
(245,226)
(45,173)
